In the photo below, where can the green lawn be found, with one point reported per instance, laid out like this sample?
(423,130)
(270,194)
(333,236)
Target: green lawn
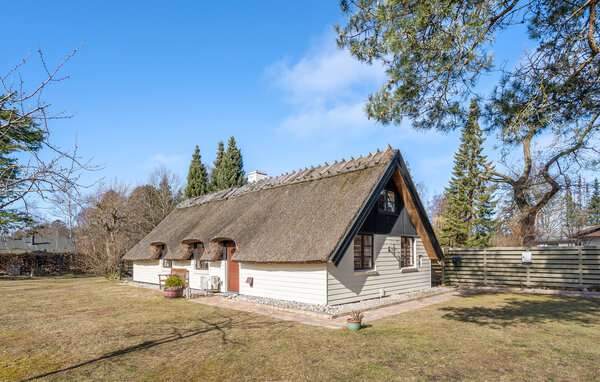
(95,329)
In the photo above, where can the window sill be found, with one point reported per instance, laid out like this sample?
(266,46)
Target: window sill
(409,270)
(369,272)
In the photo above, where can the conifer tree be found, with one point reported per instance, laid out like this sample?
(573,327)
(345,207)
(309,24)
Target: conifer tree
(234,173)
(196,179)
(594,206)
(468,212)
(229,167)
(215,174)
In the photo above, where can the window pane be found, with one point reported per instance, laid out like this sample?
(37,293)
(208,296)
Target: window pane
(391,196)
(368,261)
(368,240)
(357,258)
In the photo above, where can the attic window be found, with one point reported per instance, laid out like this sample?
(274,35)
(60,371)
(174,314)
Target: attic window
(386,203)
(166,263)
(198,250)
(363,251)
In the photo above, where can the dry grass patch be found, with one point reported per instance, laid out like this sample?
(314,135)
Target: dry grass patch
(95,329)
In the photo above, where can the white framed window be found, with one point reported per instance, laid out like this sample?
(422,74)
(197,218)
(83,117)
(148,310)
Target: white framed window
(166,263)
(198,250)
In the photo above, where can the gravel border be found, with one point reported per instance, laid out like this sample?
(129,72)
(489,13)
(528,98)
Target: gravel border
(335,310)
(345,308)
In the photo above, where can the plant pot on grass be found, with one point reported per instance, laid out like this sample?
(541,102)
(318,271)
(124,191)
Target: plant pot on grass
(355,320)
(174,287)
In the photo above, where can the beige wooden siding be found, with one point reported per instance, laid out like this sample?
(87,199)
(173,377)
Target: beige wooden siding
(293,282)
(345,285)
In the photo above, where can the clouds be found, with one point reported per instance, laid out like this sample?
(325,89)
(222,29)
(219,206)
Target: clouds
(167,160)
(325,72)
(326,88)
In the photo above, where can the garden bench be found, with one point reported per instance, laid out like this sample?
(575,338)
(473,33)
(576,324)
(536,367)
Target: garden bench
(182,273)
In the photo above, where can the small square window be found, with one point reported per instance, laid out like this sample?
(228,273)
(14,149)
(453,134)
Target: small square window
(386,202)
(198,250)
(166,263)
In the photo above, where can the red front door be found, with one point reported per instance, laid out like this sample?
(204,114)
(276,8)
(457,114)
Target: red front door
(233,270)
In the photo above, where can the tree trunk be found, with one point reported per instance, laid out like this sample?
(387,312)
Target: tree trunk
(528,227)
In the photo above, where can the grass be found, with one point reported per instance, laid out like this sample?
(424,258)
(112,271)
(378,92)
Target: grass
(95,329)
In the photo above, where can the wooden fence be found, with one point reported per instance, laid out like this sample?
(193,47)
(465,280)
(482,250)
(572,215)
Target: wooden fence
(550,267)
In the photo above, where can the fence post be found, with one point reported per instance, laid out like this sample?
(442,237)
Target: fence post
(445,252)
(527,268)
(579,252)
(485,275)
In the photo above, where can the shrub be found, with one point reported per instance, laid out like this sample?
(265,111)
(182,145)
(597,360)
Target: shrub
(174,281)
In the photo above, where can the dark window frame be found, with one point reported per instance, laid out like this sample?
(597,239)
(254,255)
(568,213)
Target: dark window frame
(200,265)
(363,256)
(404,252)
(384,201)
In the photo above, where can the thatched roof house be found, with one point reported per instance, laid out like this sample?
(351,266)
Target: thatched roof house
(306,217)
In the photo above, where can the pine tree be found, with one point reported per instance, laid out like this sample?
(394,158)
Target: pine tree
(593,217)
(196,179)
(229,167)
(468,212)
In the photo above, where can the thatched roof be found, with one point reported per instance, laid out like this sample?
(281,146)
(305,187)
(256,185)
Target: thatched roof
(294,218)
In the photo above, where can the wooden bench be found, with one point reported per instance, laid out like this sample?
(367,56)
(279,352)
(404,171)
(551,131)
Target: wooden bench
(182,273)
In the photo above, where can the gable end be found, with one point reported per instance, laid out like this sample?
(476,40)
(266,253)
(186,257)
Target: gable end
(413,205)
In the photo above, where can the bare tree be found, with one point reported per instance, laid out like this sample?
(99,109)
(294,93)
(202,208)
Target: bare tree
(103,229)
(31,163)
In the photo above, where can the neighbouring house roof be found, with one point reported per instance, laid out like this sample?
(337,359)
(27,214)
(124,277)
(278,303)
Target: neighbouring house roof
(589,231)
(303,217)
(37,244)
(565,235)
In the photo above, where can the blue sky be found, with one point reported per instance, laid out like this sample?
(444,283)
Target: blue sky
(154,79)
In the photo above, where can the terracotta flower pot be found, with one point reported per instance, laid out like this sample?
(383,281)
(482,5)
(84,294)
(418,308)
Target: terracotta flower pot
(173,292)
(353,324)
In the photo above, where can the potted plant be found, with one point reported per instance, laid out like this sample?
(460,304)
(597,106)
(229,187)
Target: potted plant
(174,287)
(354,322)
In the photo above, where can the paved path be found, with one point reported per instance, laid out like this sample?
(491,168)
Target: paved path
(322,320)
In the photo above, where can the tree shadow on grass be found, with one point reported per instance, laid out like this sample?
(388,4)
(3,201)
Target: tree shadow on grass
(222,326)
(520,311)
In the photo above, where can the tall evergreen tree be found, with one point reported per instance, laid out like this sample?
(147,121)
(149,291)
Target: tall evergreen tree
(593,216)
(216,183)
(467,214)
(196,179)
(229,167)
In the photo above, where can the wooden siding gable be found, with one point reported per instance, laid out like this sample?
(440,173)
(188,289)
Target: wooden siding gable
(382,223)
(397,172)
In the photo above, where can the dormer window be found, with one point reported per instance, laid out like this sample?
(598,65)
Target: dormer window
(386,203)
(198,250)
(166,263)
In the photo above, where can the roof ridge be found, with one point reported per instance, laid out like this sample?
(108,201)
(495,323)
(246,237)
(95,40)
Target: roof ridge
(303,175)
